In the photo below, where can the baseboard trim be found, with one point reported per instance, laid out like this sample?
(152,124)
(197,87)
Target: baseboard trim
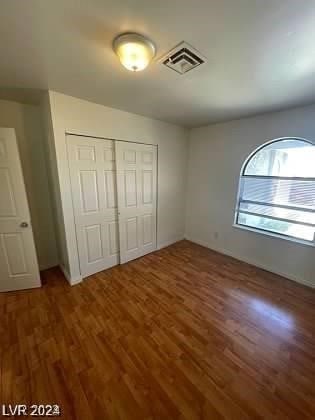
(170,242)
(71,281)
(250,262)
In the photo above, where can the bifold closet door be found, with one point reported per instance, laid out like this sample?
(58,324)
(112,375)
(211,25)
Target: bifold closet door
(136,192)
(93,183)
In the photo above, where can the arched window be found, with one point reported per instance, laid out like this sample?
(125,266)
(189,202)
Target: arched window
(277,190)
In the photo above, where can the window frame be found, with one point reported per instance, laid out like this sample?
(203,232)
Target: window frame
(238,197)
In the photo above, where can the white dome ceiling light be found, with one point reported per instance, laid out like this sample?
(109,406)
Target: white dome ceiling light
(134,51)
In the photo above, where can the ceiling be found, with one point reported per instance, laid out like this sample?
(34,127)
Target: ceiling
(261,55)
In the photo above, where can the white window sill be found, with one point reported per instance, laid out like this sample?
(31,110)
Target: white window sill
(275,235)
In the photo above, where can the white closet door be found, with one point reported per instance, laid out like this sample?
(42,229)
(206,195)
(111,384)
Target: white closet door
(18,262)
(136,191)
(93,182)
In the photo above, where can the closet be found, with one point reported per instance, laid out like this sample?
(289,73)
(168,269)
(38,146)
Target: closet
(113,185)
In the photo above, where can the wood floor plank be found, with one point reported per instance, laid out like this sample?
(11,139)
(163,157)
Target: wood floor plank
(183,333)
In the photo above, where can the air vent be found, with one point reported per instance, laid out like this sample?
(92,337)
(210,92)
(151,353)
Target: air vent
(183,58)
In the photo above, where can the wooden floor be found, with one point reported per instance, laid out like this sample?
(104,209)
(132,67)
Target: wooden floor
(182,333)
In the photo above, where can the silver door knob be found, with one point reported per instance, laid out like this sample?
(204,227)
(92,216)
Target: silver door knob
(24,225)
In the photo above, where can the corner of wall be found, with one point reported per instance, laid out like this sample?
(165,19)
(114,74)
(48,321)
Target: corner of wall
(53,178)
(170,242)
(71,280)
(187,192)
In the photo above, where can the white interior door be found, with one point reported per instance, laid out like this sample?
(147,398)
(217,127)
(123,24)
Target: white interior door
(18,261)
(93,182)
(136,191)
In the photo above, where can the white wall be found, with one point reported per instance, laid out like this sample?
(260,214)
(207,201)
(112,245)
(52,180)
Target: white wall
(26,119)
(216,154)
(53,182)
(77,116)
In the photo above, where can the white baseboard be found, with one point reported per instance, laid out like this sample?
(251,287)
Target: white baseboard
(170,242)
(250,262)
(71,281)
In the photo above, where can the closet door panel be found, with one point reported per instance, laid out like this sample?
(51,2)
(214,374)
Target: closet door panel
(136,196)
(93,182)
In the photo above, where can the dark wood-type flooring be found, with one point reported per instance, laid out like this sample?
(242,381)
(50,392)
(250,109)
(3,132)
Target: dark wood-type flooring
(183,333)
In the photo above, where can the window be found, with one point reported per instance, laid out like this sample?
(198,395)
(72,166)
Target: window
(277,190)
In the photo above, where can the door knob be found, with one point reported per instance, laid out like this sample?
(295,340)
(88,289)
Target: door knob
(24,225)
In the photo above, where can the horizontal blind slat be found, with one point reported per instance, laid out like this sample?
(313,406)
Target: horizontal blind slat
(278,212)
(298,193)
(281,227)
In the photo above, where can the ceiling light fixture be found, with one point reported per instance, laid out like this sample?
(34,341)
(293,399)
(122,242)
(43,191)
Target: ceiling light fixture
(134,51)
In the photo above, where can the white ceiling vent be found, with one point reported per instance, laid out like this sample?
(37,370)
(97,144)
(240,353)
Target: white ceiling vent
(183,58)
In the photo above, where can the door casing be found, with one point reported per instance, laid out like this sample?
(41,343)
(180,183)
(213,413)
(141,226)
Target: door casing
(90,139)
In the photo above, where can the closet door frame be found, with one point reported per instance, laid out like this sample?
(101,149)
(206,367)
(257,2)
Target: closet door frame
(93,137)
